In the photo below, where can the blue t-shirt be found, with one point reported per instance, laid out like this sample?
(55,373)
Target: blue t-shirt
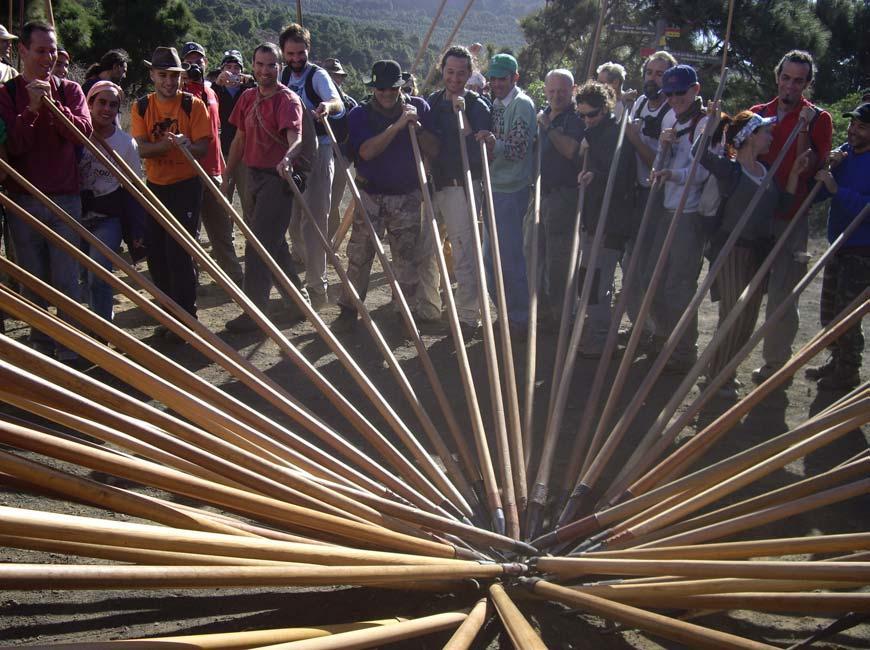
(394,171)
(853,193)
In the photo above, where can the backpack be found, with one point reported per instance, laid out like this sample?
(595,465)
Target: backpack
(186,104)
(652,124)
(338,124)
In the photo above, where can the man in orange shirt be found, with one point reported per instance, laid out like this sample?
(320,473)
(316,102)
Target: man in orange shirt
(163,122)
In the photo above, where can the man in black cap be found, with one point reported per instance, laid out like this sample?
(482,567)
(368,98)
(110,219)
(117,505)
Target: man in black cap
(229,86)
(163,122)
(213,216)
(848,273)
(387,177)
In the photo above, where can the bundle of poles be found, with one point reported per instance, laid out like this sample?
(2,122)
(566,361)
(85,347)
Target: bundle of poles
(444,503)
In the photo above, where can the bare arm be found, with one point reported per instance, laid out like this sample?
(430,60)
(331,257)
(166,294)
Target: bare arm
(376,145)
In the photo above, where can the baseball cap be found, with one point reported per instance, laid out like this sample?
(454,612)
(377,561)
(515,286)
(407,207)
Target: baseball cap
(679,78)
(189,47)
(502,65)
(861,113)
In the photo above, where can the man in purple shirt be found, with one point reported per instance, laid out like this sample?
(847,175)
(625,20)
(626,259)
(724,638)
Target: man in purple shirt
(43,151)
(387,178)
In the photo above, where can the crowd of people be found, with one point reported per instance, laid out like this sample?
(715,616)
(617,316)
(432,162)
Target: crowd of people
(256,125)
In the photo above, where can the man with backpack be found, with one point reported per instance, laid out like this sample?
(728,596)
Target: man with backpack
(448,180)
(163,122)
(643,133)
(42,150)
(794,77)
(214,217)
(319,96)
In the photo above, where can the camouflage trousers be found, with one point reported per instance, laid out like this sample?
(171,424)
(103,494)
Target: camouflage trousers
(845,277)
(399,217)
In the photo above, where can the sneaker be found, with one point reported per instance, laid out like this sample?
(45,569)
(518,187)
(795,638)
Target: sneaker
(345,322)
(815,373)
(241,323)
(840,379)
(762,374)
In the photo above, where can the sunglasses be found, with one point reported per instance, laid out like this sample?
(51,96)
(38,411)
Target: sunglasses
(678,93)
(590,115)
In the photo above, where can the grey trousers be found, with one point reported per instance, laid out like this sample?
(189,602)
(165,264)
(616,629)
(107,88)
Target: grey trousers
(219,228)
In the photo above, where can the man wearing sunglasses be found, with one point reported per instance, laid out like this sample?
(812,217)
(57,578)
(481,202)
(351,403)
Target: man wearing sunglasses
(680,129)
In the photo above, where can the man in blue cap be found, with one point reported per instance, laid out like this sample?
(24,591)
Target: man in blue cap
(680,129)
(510,145)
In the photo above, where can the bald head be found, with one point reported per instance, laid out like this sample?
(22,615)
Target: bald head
(558,85)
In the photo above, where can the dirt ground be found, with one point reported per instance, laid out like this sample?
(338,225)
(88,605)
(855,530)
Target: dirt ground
(56,616)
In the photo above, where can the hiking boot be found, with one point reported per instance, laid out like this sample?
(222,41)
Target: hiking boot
(431,326)
(815,373)
(842,378)
(345,322)
(678,366)
(240,324)
(762,374)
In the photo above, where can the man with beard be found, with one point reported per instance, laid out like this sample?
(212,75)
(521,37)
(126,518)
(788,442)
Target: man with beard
(561,129)
(163,122)
(848,274)
(794,76)
(510,145)
(319,95)
(268,121)
(680,129)
(643,133)
(44,151)
(387,178)
(111,67)
(451,203)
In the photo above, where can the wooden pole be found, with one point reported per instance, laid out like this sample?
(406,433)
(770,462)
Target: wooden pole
(503,436)
(428,35)
(38,576)
(448,43)
(562,388)
(534,281)
(314,459)
(299,11)
(493,494)
(644,587)
(356,373)
(471,626)
(224,640)
(336,397)
(377,636)
(805,603)
(521,633)
(681,631)
(344,227)
(567,568)
(422,352)
(596,38)
(49,12)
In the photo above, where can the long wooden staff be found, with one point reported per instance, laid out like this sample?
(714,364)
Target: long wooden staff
(428,35)
(769,325)
(486,469)
(721,331)
(566,508)
(55,576)
(596,38)
(494,496)
(808,602)
(520,631)
(508,453)
(471,626)
(446,407)
(562,388)
(357,374)
(681,631)
(534,280)
(448,43)
(343,227)
(699,480)
(214,348)
(339,400)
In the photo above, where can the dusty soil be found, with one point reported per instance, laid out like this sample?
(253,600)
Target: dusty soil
(56,616)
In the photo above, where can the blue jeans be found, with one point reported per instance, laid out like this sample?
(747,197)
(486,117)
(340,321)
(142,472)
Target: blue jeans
(100,294)
(47,262)
(510,210)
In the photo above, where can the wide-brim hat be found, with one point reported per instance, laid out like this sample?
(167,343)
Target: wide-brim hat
(6,35)
(385,74)
(166,58)
(333,66)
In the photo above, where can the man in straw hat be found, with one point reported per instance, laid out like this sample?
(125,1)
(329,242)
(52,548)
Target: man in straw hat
(6,41)
(387,177)
(44,152)
(163,122)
